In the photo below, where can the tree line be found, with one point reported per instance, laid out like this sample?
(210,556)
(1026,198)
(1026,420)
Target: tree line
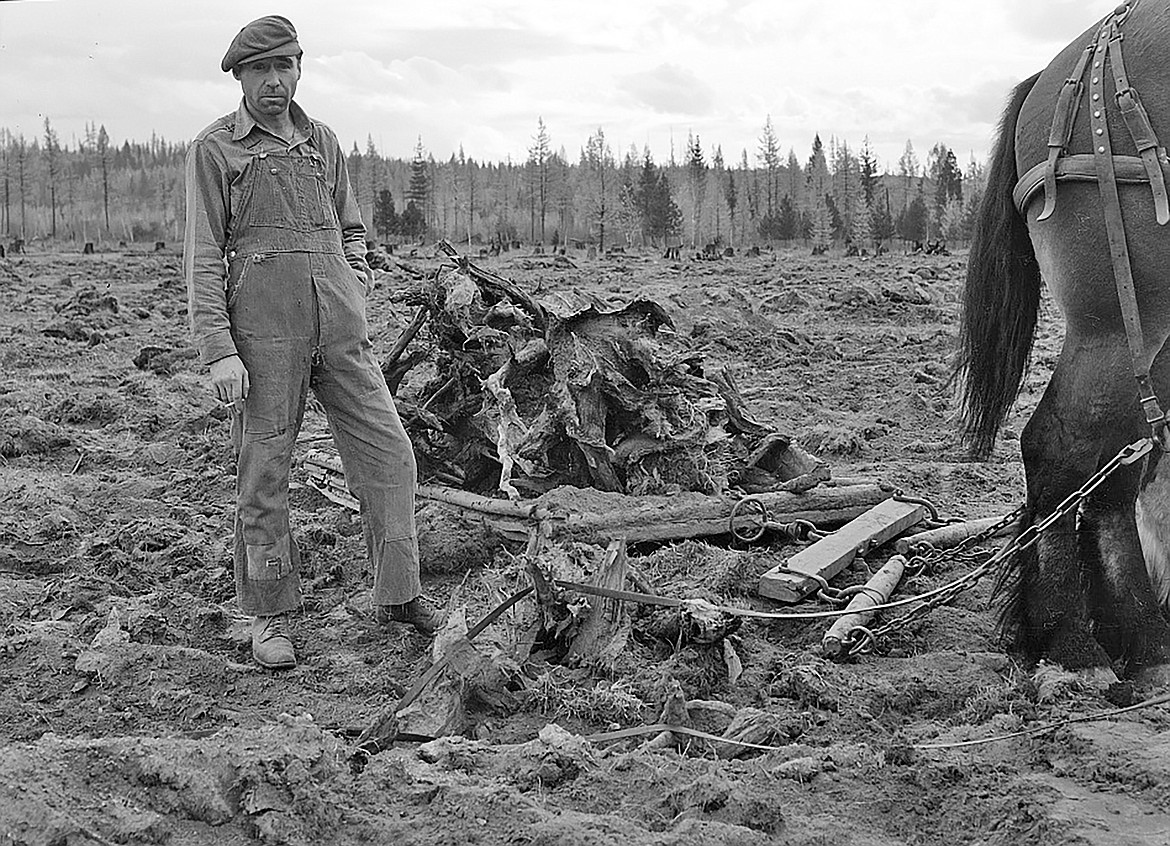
(95,190)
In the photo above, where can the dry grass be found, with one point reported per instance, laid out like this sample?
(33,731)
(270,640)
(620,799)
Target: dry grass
(602,702)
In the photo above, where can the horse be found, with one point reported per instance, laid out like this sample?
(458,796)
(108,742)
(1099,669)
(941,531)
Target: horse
(1076,201)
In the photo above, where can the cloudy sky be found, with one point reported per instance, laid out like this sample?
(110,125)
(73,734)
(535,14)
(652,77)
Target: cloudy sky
(479,73)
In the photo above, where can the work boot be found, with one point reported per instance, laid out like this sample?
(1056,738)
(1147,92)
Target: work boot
(418,613)
(271,646)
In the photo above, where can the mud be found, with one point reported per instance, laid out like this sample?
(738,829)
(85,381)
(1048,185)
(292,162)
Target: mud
(130,711)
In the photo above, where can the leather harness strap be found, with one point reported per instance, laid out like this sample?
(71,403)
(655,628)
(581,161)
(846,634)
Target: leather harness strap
(1109,51)
(1079,167)
(1103,50)
(1137,121)
(1062,124)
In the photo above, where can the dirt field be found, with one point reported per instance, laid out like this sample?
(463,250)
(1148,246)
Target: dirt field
(130,711)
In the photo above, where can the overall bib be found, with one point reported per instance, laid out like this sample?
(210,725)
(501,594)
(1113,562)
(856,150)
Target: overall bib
(297,312)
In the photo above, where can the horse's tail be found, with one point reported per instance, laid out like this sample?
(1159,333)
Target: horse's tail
(1001,298)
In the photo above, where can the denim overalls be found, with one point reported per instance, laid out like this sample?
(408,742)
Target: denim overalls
(297,313)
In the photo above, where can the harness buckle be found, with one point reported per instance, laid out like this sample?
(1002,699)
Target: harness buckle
(1155,416)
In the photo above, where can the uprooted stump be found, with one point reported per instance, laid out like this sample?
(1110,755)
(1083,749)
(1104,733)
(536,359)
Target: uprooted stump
(522,396)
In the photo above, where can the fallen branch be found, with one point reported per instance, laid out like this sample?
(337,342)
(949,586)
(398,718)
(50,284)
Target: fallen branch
(405,338)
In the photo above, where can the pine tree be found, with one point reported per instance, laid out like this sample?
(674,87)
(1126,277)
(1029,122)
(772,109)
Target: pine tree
(952,221)
(883,219)
(943,168)
(770,156)
(418,193)
(539,155)
(868,169)
(598,164)
(817,182)
(385,216)
(731,197)
(788,223)
(562,193)
(822,225)
(913,220)
(861,223)
(751,185)
(696,183)
(845,185)
(908,170)
(795,188)
(355,165)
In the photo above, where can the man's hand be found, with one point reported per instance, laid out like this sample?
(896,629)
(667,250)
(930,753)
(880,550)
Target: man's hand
(230,380)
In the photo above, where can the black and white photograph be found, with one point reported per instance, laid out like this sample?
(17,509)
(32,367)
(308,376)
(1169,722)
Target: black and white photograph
(717,423)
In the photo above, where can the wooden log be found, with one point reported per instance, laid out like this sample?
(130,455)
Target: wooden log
(591,515)
(793,580)
(952,534)
(878,589)
(465,500)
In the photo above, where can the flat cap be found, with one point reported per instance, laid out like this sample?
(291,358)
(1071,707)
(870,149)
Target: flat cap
(263,38)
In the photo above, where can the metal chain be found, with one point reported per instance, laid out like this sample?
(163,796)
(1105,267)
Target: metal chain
(861,639)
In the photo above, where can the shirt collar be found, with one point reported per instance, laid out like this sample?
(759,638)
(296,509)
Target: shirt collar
(245,123)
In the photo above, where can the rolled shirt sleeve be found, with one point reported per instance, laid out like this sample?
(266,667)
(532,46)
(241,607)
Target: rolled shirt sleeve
(204,242)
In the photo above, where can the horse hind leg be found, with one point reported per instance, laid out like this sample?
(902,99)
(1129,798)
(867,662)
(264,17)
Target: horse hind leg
(1152,513)
(1130,625)
(1152,518)
(1047,614)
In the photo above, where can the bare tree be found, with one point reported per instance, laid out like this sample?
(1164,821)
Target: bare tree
(22,174)
(6,152)
(52,153)
(538,166)
(103,154)
(696,183)
(717,171)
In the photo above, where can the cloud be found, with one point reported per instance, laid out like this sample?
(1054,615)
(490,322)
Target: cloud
(470,46)
(981,104)
(670,89)
(1050,21)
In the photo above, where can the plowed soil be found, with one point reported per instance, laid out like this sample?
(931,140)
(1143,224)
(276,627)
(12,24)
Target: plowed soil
(130,711)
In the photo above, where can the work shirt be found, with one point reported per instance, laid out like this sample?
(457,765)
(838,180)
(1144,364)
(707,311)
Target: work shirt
(290,213)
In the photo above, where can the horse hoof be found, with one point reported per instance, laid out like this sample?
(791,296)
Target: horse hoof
(1052,680)
(1156,676)
(1097,678)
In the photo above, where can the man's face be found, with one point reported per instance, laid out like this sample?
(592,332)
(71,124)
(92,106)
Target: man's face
(269,84)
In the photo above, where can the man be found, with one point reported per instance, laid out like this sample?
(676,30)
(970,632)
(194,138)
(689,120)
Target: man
(276,282)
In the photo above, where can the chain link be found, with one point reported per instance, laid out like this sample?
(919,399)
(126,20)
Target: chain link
(759,520)
(862,640)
